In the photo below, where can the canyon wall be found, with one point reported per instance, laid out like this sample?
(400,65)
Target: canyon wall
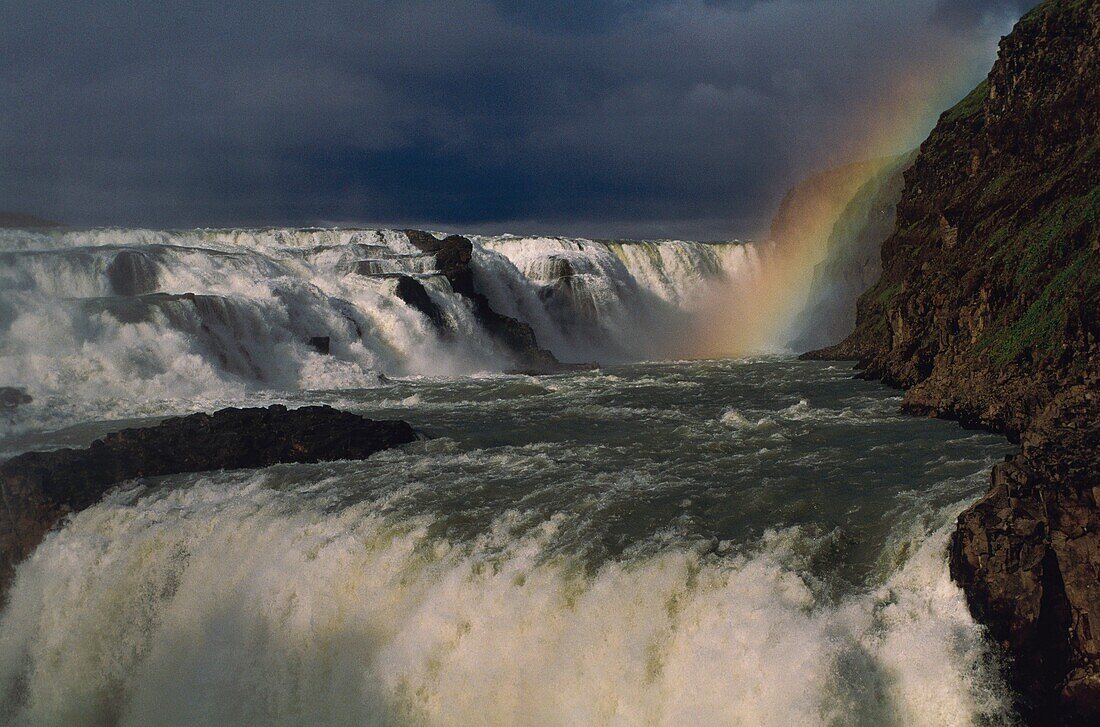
(987,312)
(852,261)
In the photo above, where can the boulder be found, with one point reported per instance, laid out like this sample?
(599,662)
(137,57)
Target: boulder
(132,273)
(412,292)
(40,488)
(453,257)
(12,397)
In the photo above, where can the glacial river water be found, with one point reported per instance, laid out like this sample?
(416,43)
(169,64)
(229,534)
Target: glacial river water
(753,542)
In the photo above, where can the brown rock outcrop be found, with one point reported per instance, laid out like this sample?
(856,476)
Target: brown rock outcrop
(988,312)
(1028,556)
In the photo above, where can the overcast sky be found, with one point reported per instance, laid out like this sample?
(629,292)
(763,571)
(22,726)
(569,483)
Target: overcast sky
(657,118)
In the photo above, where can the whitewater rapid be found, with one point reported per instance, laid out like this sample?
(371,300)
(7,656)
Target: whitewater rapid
(746,542)
(113,323)
(756,542)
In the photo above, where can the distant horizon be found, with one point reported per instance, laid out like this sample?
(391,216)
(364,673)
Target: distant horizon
(21,220)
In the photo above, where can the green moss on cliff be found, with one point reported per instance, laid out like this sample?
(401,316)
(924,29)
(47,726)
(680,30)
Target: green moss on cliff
(1052,236)
(993,260)
(969,106)
(1039,332)
(884,295)
(1048,267)
(995,188)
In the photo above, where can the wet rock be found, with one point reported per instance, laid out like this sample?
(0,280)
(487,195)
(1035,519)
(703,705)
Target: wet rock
(132,273)
(40,488)
(12,397)
(559,268)
(412,292)
(986,311)
(517,336)
(370,267)
(453,256)
(423,241)
(1028,557)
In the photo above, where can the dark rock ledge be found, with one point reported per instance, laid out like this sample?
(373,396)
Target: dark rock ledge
(454,259)
(986,313)
(1028,557)
(40,488)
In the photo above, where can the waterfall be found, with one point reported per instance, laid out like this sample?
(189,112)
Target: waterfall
(609,301)
(121,321)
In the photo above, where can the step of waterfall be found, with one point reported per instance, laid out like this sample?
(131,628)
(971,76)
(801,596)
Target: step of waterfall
(393,263)
(144,315)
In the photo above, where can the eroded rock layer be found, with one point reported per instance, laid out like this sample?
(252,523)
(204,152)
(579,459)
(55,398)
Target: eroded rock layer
(987,312)
(40,488)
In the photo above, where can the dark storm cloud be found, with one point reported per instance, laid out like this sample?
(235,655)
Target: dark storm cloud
(965,14)
(668,117)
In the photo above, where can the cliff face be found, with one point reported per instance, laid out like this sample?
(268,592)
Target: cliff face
(809,208)
(1028,557)
(795,243)
(852,262)
(987,311)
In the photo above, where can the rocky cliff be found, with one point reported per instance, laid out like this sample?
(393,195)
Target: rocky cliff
(775,303)
(810,208)
(987,312)
(852,261)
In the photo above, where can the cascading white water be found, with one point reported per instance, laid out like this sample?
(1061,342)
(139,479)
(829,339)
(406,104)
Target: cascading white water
(709,542)
(209,608)
(610,301)
(118,322)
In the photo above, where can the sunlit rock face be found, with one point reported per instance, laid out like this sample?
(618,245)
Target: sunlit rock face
(987,310)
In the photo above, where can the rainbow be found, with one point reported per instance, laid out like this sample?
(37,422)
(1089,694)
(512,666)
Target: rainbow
(756,317)
(751,316)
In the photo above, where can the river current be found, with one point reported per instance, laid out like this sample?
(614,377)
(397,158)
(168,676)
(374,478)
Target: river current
(753,541)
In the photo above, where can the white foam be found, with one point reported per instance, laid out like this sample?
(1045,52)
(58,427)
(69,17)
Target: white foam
(616,301)
(736,420)
(231,603)
(83,352)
